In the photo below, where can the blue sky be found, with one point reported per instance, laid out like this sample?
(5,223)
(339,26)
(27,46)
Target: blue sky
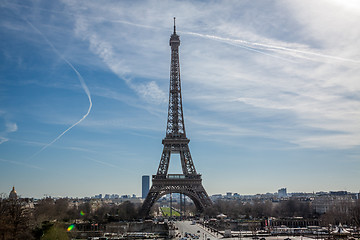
(270,94)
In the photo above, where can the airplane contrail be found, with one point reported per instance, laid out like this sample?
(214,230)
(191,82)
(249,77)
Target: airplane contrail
(270,47)
(258,51)
(82,82)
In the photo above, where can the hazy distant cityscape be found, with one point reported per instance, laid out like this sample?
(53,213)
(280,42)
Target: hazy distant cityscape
(321,202)
(306,215)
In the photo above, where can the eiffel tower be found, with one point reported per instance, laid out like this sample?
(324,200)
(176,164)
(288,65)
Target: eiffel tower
(188,183)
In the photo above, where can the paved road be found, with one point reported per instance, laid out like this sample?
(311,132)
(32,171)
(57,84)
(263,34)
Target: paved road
(205,234)
(187,226)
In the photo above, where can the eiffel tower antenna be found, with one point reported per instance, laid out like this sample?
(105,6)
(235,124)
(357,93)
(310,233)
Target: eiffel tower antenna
(174,26)
(189,182)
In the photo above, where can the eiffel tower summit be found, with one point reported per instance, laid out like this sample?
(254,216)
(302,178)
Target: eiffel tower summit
(188,183)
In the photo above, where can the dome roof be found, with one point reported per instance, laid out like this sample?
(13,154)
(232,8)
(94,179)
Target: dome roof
(13,193)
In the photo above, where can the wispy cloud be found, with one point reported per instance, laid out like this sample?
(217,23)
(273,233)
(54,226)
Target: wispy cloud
(21,164)
(149,91)
(230,66)
(107,164)
(102,162)
(11,127)
(3,139)
(305,80)
(8,128)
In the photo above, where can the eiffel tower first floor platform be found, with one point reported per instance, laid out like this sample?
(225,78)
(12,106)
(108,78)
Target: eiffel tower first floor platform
(189,185)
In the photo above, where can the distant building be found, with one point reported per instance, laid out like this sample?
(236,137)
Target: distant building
(215,197)
(114,196)
(338,193)
(145,186)
(339,200)
(282,193)
(98,196)
(13,194)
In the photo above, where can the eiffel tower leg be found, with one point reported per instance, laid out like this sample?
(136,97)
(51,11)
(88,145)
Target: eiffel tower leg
(186,160)
(181,205)
(184,202)
(203,198)
(164,161)
(149,202)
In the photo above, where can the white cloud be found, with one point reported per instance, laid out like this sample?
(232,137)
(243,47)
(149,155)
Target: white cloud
(290,60)
(3,139)
(11,127)
(149,91)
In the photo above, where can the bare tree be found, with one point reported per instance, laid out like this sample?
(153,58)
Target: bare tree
(356,213)
(14,220)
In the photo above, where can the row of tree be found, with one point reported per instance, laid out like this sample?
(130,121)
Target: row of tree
(336,214)
(258,209)
(19,220)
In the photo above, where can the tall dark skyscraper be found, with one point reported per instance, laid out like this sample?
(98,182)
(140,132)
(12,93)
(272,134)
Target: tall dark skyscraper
(145,186)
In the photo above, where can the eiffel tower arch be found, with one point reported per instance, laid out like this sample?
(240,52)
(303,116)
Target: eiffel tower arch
(189,182)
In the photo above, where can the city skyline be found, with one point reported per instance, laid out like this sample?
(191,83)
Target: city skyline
(270,95)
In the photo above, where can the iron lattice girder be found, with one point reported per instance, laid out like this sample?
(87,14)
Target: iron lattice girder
(175,121)
(180,146)
(188,186)
(188,183)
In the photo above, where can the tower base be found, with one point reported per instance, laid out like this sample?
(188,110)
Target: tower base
(190,186)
